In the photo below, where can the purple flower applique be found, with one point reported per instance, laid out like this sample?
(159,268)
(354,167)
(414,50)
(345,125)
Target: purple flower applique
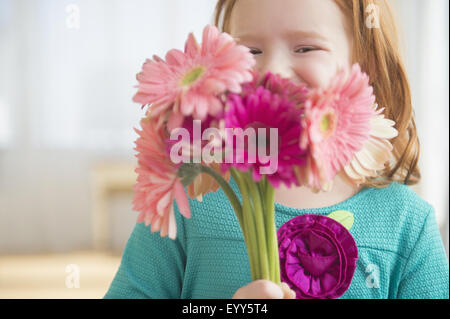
(318,255)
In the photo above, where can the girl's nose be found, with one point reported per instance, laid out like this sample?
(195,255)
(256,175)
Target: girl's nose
(278,63)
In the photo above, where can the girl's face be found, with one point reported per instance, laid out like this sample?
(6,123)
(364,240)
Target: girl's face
(306,41)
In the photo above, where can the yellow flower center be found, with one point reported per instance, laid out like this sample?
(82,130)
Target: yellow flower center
(325,124)
(328,123)
(192,76)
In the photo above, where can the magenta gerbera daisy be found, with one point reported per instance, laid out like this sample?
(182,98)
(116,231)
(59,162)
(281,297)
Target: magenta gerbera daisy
(337,124)
(191,81)
(261,108)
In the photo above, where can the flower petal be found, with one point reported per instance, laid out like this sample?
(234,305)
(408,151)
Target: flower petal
(383,128)
(164,203)
(176,57)
(192,49)
(172,227)
(351,172)
(181,199)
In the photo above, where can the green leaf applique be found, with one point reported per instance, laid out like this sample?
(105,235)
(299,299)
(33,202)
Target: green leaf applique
(344,217)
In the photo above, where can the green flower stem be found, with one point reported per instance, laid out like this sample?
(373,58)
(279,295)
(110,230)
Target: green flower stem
(256,217)
(259,222)
(243,214)
(248,227)
(263,189)
(234,200)
(272,241)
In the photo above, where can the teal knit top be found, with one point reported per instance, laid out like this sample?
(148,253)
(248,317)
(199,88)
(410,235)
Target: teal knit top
(400,250)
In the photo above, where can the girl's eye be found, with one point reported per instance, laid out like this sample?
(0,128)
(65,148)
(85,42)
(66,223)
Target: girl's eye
(255,51)
(305,49)
(300,50)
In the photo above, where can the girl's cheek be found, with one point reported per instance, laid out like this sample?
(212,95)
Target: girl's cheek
(316,72)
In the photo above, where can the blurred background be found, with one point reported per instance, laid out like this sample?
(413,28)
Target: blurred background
(67,76)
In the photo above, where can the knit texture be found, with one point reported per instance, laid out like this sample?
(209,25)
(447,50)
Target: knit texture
(400,250)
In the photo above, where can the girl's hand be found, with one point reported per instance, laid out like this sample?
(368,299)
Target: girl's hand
(264,289)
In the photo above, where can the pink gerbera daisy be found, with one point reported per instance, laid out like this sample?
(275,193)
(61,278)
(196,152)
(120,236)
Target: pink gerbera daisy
(191,81)
(157,182)
(261,108)
(337,124)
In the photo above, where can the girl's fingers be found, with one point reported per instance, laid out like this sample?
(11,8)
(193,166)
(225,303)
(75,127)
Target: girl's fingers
(260,289)
(288,292)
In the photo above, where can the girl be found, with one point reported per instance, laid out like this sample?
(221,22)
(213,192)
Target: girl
(400,251)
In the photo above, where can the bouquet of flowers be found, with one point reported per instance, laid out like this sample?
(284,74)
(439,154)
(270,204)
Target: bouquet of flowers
(211,117)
